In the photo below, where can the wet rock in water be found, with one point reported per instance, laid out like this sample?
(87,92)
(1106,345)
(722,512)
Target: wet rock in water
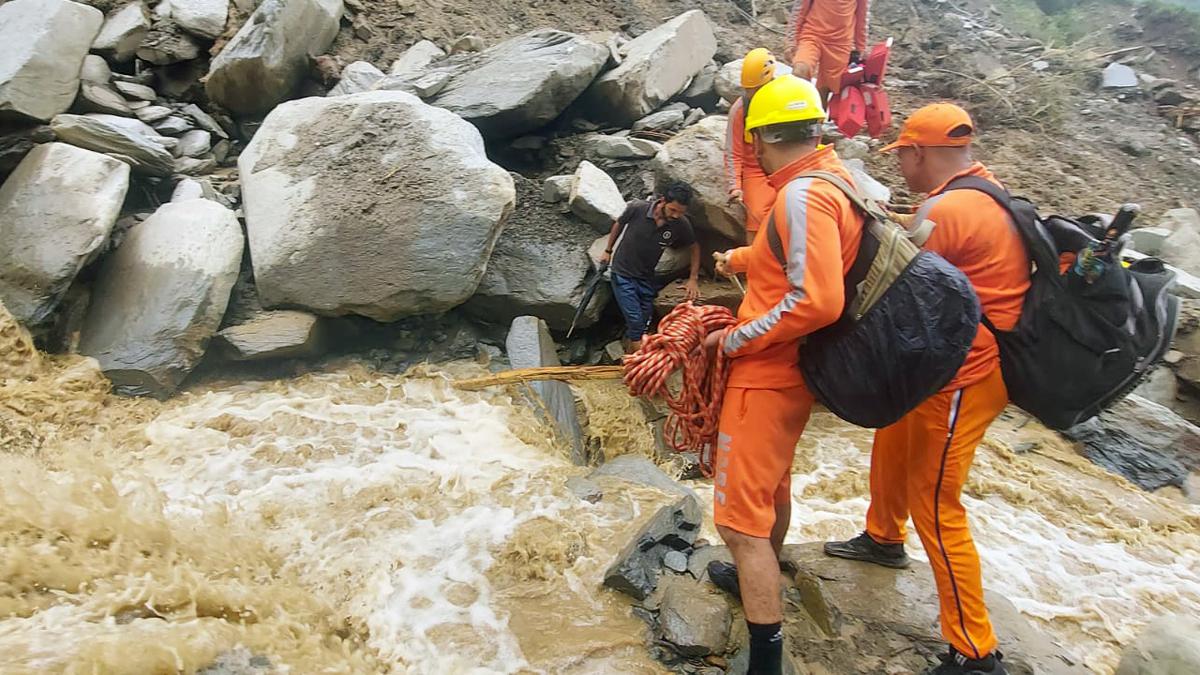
(641,471)
(676,561)
(694,619)
(239,661)
(116,138)
(357,77)
(203,18)
(1118,76)
(673,527)
(539,267)
(557,189)
(194,143)
(595,197)
(167,43)
(349,177)
(160,297)
(621,147)
(658,65)
(521,84)
(417,58)
(284,334)
(529,345)
(664,120)
(57,210)
(123,32)
(1143,441)
(42,47)
(696,156)
(264,62)
(585,489)
(1169,645)
(1149,240)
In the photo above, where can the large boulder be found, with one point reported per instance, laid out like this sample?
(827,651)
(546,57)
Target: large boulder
(204,18)
(694,619)
(696,156)
(123,32)
(56,212)
(539,267)
(521,84)
(658,65)
(100,134)
(672,528)
(529,345)
(595,197)
(265,61)
(160,297)
(42,45)
(374,204)
(1170,645)
(1143,441)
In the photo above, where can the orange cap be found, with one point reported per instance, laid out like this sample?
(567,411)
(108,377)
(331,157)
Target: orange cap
(936,125)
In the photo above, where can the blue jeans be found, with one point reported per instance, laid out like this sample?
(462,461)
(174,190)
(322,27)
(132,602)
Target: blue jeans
(635,297)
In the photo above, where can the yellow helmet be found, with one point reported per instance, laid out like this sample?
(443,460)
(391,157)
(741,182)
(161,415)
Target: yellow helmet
(784,99)
(758,68)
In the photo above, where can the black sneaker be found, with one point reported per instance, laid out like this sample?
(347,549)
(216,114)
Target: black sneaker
(955,663)
(866,549)
(724,575)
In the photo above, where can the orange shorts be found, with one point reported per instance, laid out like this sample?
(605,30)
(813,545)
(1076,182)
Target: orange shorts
(827,62)
(755,447)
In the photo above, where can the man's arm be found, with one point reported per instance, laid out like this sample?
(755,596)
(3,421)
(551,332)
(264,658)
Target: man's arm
(613,233)
(795,24)
(862,17)
(693,282)
(735,125)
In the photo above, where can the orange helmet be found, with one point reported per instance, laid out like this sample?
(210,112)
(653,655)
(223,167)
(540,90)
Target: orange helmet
(758,68)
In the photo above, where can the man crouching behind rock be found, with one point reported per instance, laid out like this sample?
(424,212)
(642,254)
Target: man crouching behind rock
(635,244)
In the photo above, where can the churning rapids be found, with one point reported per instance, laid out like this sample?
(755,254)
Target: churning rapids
(353,521)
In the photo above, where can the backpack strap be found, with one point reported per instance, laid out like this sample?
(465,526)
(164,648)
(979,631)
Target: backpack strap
(1002,197)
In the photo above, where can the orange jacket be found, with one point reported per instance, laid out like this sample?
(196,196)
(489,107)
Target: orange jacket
(976,235)
(834,22)
(820,230)
(740,159)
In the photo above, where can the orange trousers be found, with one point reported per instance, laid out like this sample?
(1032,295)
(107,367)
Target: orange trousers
(918,468)
(827,62)
(759,198)
(756,444)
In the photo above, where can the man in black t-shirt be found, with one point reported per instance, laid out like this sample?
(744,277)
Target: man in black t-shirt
(635,245)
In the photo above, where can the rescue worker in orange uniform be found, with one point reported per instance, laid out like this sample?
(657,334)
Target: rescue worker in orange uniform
(920,464)
(748,183)
(766,405)
(826,36)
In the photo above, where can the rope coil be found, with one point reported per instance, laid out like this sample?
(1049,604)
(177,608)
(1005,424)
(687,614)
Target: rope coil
(679,346)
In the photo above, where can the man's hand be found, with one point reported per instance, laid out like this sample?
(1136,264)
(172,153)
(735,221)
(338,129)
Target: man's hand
(735,195)
(605,258)
(713,340)
(855,57)
(722,262)
(692,289)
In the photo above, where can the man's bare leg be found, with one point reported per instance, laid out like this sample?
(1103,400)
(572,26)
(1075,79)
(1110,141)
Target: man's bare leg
(783,520)
(758,572)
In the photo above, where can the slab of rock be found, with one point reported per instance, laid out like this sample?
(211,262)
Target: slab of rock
(195,166)
(1149,240)
(728,81)
(128,124)
(1182,247)
(204,120)
(1118,76)
(521,84)
(529,345)
(173,126)
(696,156)
(138,91)
(540,267)
(595,198)
(423,86)
(417,58)
(167,43)
(694,619)
(95,70)
(621,147)
(193,188)
(641,471)
(702,92)
(153,113)
(1159,387)
(1175,219)
(57,210)
(1143,441)
(42,46)
(658,65)
(676,561)
(1169,645)
(673,527)
(160,297)
(264,62)
(374,204)
(123,31)
(557,189)
(194,143)
(660,121)
(102,99)
(284,334)
(99,135)
(585,489)
(357,77)
(204,18)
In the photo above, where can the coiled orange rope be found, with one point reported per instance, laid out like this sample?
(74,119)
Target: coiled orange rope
(679,345)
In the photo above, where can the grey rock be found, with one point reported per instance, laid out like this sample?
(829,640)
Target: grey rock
(192,188)
(621,147)
(204,120)
(614,351)
(676,561)
(42,47)
(423,86)
(153,113)
(1118,76)
(673,527)
(696,156)
(284,334)
(160,297)
(131,125)
(138,91)
(95,70)
(694,619)
(398,176)
(521,84)
(1159,387)
(1143,441)
(467,43)
(238,661)
(57,210)
(221,150)
(194,143)
(728,82)
(702,92)
(1185,357)
(99,135)
(852,148)
(204,18)
(195,166)
(102,98)
(529,345)
(662,120)
(264,62)
(539,267)
(658,65)
(357,77)
(167,43)
(585,489)
(417,58)
(1182,247)
(595,198)
(641,471)
(1148,240)
(123,31)
(694,116)
(1169,645)
(1175,219)
(557,189)
(173,126)
(1134,147)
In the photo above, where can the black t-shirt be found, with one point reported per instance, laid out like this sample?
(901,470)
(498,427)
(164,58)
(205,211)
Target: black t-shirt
(642,241)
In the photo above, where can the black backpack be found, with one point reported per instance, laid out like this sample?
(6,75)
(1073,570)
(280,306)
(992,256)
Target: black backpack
(909,321)
(1078,348)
